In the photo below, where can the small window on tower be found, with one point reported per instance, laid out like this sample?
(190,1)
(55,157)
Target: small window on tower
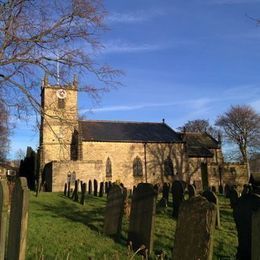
(61,103)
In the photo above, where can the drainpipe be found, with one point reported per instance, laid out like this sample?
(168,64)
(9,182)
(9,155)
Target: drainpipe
(145,163)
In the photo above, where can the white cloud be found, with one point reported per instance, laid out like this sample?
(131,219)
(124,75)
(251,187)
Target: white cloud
(134,17)
(118,46)
(256,105)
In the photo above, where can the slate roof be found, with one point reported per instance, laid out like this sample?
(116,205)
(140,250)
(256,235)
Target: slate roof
(116,131)
(199,144)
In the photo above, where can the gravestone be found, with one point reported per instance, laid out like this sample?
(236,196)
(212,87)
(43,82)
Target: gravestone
(233,197)
(101,189)
(194,230)
(212,197)
(75,195)
(89,187)
(191,190)
(213,188)
(83,193)
(106,187)
(114,211)
(65,189)
(95,188)
(177,197)
(165,192)
(18,220)
(255,235)
(69,189)
(142,217)
(243,212)
(4,201)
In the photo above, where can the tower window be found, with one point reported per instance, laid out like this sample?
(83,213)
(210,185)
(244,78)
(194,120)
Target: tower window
(61,103)
(137,167)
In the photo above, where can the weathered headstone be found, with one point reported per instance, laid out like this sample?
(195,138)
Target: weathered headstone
(255,235)
(177,197)
(213,188)
(101,189)
(83,193)
(18,220)
(194,230)
(89,187)
(114,211)
(95,188)
(142,217)
(4,201)
(233,197)
(212,197)
(191,190)
(65,189)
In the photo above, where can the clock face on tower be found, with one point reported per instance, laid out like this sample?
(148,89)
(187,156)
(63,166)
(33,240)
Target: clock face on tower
(61,93)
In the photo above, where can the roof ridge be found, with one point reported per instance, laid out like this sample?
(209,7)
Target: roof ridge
(125,122)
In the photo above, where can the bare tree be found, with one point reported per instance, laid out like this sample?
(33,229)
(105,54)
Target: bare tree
(200,126)
(58,38)
(241,125)
(4,132)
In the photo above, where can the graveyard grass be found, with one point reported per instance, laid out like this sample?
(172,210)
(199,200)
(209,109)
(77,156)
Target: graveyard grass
(62,229)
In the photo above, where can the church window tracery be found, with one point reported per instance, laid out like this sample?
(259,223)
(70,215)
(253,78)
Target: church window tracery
(168,167)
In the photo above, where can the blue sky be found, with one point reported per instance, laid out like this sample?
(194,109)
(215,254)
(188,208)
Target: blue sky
(182,60)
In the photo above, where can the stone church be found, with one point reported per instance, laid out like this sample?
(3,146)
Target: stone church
(127,152)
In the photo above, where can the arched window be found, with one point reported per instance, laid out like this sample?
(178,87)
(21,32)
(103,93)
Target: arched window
(168,167)
(108,168)
(137,167)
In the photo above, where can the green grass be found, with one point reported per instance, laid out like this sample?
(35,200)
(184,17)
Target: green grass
(59,226)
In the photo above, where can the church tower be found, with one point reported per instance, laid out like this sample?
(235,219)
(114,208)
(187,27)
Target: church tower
(59,121)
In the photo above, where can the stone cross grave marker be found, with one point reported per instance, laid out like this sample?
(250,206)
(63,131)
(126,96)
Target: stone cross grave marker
(18,220)
(255,235)
(194,230)
(212,197)
(142,217)
(177,197)
(4,202)
(114,211)
(95,188)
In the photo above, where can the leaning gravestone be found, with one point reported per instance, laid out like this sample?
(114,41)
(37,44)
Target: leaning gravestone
(95,188)
(194,230)
(4,201)
(212,197)
(114,211)
(177,197)
(255,235)
(18,220)
(142,217)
